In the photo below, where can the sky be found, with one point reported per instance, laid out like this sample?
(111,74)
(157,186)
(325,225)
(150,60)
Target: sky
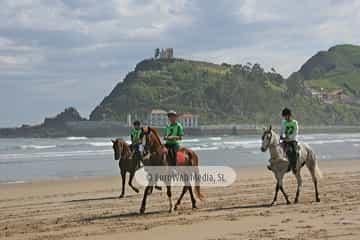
(60,53)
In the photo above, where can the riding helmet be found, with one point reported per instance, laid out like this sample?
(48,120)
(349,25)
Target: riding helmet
(286,112)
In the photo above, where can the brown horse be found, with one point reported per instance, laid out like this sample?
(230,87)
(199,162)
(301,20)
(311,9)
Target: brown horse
(156,156)
(126,164)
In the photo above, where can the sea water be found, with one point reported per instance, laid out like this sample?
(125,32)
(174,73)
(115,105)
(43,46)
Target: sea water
(36,159)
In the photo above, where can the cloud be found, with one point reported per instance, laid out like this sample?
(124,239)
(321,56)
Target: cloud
(56,53)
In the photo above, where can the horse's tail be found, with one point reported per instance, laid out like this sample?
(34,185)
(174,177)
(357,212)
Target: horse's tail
(317,170)
(194,161)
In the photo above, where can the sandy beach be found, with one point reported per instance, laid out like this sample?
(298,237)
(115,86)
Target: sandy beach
(88,208)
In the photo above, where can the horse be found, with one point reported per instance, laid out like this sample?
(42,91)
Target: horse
(126,163)
(155,155)
(279,164)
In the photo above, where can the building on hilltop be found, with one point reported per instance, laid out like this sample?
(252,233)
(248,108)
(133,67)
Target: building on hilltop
(338,95)
(166,53)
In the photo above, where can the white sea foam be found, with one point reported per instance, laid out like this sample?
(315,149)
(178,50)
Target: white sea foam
(190,140)
(327,141)
(14,182)
(38,146)
(47,155)
(101,144)
(76,138)
(215,138)
(244,144)
(204,148)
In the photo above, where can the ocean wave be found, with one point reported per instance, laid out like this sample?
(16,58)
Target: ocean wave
(244,144)
(100,144)
(215,138)
(326,141)
(76,138)
(37,146)
(204,148)
(47,155)
(190,140)
(13,182)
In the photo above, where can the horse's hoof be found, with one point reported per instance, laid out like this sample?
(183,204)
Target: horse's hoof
(194,207)
(296,201)
(170,210)
(269,168)
(136,190)
(318,200)
(142,210)
(176,207)
(121,196)
(288,202)
(158,188)
(272,203)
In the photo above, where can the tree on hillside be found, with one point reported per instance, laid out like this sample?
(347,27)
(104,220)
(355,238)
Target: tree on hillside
(157,53)
(295,85)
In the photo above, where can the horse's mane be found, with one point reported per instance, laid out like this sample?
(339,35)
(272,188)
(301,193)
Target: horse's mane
(125,148)
(156,135)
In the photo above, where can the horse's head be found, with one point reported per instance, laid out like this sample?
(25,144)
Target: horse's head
(116,149)
(150,138)
(268,138)
(119,147)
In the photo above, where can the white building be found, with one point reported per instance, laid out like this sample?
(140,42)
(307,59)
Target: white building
(189,120)
(158,118)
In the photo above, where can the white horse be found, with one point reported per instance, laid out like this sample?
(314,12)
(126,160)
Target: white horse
(279,164)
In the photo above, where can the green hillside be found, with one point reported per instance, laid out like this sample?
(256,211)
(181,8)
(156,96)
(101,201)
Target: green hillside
(339,67)
(219,93)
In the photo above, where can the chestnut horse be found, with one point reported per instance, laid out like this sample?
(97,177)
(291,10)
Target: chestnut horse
(156,156)
(126,164)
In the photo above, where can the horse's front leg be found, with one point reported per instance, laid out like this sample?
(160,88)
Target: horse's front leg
(185,188)
(143,203)
(276,193)
(299,184)
(130,182)
(168,192)
(283,191)
(123,179)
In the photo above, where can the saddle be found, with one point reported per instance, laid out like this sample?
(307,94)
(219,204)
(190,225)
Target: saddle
(180,156)
(292,156)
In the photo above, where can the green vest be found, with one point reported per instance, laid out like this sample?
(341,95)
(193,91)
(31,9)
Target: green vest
(174,130)
(135,135)
(291,129)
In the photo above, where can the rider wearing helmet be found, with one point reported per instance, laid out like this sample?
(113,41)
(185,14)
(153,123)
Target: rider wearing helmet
(288,135)
(174,132)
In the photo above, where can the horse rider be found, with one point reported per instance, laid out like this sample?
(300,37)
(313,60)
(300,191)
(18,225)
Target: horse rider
(174,132)
(136,141)
(288,135)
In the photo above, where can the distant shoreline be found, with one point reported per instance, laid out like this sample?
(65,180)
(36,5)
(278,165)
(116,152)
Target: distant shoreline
(109,129)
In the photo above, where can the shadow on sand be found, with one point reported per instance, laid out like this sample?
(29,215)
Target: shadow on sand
(98,199)
(137,214)
(120,216)
(238,207)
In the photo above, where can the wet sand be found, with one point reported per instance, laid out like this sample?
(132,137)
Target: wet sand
(89,208)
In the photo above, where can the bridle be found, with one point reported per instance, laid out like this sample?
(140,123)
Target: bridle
(150,139)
